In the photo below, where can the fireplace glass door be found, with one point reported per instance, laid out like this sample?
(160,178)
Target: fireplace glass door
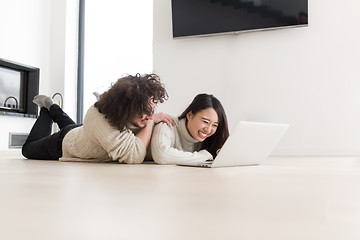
(11,89)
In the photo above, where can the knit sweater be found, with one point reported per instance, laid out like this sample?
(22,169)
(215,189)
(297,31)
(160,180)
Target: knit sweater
(174,144)
(97,141)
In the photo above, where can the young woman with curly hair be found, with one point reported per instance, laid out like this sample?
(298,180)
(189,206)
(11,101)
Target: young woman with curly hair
(117,127)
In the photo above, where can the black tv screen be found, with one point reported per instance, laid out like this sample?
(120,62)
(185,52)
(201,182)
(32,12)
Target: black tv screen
(204,17)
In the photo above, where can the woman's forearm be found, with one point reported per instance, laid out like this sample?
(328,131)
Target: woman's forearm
(145,133)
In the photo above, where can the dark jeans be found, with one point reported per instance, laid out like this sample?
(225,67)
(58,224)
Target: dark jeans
(40,144)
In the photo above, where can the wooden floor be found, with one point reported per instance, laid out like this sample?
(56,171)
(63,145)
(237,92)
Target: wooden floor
(286,198)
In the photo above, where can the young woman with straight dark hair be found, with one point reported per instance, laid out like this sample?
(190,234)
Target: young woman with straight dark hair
(196,136)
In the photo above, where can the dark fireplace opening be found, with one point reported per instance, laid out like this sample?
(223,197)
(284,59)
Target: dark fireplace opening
(19,84)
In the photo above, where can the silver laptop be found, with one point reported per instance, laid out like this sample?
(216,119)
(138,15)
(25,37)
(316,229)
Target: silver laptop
(250,144)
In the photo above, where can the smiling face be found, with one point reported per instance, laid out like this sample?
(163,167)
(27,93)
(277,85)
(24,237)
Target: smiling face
(203,124)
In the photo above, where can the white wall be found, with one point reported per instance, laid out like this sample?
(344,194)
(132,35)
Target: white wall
(34,33)
(307,77)
(118,40)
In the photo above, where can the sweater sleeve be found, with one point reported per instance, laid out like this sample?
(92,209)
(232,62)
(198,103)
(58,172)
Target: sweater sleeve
(122,146)
(165,151)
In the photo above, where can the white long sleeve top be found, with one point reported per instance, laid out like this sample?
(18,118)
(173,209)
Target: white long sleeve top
(174,144)
(97,141)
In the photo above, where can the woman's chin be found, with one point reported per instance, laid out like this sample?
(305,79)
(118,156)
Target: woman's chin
(200,139)
(140,124)
(143,123)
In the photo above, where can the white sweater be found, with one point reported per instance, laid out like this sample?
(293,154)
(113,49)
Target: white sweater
(174,144)
(98,141)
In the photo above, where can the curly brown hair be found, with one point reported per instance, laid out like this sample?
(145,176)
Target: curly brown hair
(130,96)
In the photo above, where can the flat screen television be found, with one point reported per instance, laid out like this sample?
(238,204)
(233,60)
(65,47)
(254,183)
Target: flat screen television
(208,17)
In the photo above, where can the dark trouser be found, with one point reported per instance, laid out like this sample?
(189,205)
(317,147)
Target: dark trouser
(40,144)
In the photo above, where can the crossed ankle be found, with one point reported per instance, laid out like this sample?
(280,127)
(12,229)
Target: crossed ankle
(43,101)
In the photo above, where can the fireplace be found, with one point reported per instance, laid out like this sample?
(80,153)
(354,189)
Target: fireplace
(18,86)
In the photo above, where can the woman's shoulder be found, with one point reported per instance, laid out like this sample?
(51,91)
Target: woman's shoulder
(162,128)
(164,125)
(92,110)
(93,116)
(176,120)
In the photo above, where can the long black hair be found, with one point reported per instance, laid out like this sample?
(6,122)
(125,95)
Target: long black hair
(203,101)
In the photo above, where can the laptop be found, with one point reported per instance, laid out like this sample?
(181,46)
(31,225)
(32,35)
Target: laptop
(250,144)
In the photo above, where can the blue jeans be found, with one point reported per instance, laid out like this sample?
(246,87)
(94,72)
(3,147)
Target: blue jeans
(40,144)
